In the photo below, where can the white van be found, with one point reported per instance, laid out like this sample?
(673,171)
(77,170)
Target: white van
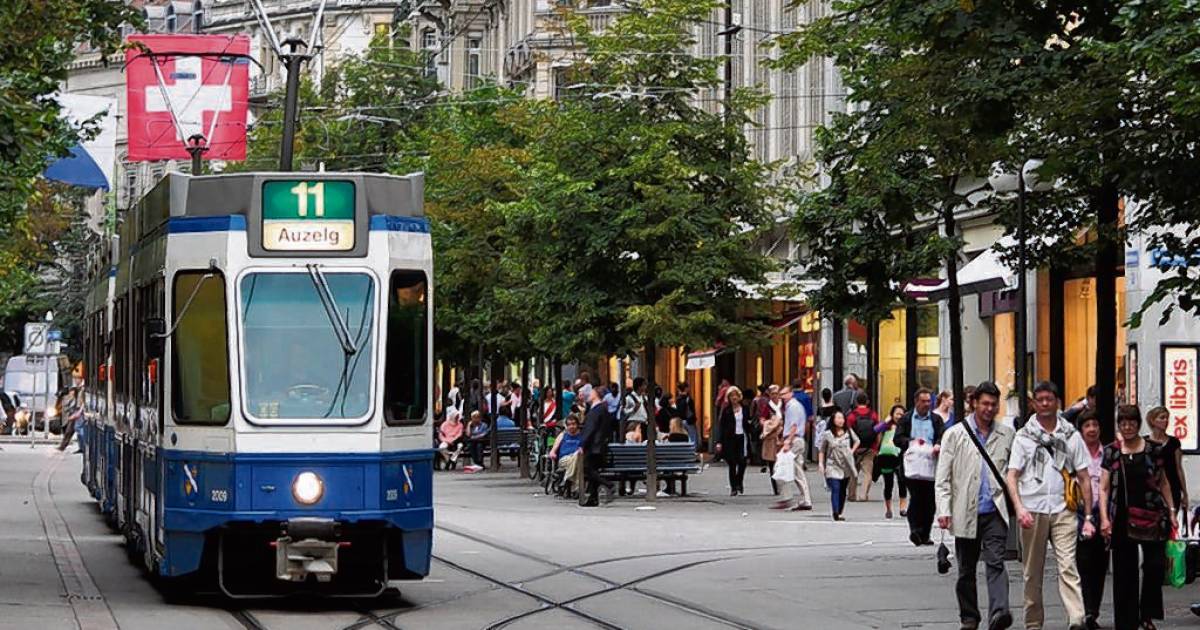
(26,376)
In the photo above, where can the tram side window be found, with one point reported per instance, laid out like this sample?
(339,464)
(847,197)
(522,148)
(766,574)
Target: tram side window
(406,387)
(200,350)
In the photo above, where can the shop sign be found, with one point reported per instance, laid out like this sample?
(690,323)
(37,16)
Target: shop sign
(1180,394)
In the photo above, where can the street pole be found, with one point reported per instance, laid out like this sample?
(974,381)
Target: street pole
(196,149)
(1022,308)
(292,59)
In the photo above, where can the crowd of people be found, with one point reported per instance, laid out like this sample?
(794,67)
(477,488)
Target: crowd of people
(1048,479)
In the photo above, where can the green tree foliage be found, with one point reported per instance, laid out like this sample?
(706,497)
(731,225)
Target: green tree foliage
(642,209)
(366,114)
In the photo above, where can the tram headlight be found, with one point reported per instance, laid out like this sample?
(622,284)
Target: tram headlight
(308,488)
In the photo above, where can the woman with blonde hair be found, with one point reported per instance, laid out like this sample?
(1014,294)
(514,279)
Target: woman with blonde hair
(1172,453)
(735,428)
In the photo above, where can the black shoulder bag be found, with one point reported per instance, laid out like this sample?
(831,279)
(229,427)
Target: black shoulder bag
(1012,548)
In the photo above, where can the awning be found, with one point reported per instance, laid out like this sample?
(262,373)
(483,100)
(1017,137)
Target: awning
(986,273)
(706,358)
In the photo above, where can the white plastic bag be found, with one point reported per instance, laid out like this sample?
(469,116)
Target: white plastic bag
(785,467)
(919,462)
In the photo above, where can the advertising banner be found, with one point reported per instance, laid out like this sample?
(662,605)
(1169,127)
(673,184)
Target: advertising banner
(1180,394)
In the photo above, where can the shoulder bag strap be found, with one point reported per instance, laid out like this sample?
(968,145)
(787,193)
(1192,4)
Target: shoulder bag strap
(970,431)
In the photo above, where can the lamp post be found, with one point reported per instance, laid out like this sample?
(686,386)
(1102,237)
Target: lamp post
(1025,180)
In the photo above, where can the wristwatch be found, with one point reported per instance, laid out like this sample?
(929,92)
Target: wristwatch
(1091,518)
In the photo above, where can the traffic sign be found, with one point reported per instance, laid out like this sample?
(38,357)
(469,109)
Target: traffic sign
(37,337)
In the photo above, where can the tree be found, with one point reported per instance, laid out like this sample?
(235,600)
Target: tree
(650,204)
(934,90)
(367,113)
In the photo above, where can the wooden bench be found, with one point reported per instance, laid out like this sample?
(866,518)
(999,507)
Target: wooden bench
(508,441)
(673,460)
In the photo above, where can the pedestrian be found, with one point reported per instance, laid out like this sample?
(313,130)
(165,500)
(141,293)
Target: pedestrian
(944,408)
(800,393)
(1136,514)
(734,442)
(1049,459)
(664,412)
(568,402)
(795,433)
(1158,418)
(612,399)
(824,413)
(597,428)
(862,421)
(686,408)
(549,405)
(1087,402)
(887,462)
(634,407)
(845,397)
(971,504)
(69,411)
(772,431)
(836,461)
(920,429)
(1091,554)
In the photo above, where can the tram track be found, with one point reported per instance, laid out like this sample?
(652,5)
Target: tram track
(610,586)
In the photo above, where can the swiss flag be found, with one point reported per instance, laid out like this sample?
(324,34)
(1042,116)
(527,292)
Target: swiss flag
(204,89)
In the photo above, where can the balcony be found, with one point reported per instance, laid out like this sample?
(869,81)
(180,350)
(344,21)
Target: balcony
(262,85)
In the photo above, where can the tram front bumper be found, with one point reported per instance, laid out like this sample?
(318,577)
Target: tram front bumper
(309,546)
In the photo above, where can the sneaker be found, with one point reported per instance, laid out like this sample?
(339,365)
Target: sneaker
(661,494)
(783,505)
(802,508)
(888,514)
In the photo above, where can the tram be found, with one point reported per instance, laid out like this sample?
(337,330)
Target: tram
(258,353)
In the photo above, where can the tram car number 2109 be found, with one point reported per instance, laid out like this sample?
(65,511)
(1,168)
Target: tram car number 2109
(258,355)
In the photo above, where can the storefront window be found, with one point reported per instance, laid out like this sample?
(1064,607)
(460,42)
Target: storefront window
(892,335)
(928,347)
(1004,365)
(808,343)
(1079,335)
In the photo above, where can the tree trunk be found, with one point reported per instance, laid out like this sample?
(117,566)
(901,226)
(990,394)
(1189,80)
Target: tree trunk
(1108,257)
(493,413)
(955,307)
(651,426)
(522,420)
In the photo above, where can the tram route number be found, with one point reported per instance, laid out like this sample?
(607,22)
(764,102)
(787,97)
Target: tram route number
(219,495)
(393,494)
(316,215)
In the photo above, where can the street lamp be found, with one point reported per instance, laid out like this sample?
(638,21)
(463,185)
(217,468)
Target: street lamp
(1025,180)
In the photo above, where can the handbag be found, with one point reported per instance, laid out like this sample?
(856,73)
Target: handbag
(785,467)
(1142,524)
(1177,572)
(919,463)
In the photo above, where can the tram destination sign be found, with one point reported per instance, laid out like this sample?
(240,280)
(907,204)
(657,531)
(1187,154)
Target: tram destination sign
(300,215)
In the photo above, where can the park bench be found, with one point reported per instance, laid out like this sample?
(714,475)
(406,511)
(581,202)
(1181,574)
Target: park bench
(674,461)
(508,441)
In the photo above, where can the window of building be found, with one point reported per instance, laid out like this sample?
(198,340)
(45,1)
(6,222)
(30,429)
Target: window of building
(473,62)
(429,39)
(383,29)
(199,349)
(197,16)
(892,382)
(406,389)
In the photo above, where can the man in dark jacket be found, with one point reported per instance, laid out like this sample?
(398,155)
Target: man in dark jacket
(844,398)
(920,425)
(597,432)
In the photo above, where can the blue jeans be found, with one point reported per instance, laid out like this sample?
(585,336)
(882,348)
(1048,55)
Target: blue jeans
(692,435)
(837,494)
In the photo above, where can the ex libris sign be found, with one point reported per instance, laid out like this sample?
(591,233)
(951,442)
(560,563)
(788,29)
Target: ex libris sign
(180,86)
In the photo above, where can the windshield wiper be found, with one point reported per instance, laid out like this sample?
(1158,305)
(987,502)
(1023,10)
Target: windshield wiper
(335,318)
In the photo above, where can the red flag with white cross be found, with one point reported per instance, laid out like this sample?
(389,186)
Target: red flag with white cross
(182,86)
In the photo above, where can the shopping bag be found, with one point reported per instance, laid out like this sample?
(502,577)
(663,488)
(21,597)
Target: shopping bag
(919,463)
(1176,574)
(785,467)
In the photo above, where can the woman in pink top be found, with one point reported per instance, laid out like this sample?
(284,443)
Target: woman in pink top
(450,437)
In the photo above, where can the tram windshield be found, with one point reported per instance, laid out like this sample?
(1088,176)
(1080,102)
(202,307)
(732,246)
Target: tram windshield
(295,364)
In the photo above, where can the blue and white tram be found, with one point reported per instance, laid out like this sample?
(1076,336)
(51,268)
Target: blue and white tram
(259,367)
